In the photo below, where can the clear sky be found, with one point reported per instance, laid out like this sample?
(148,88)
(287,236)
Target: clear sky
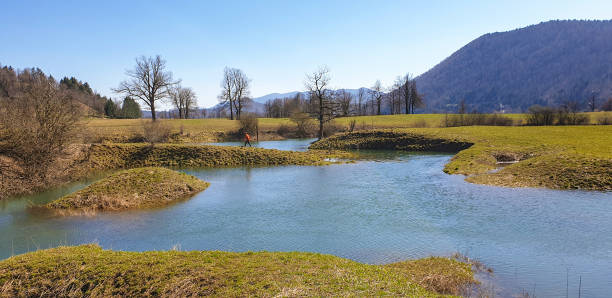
(274,42)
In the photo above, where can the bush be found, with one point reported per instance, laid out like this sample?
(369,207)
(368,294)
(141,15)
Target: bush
(421,123)
(565,117)
(351,125)
(452,120)
(156,131)
(283,130)
(539,115)
(248,124)
(38,123)
(304,124)
(604,120)
(331,128)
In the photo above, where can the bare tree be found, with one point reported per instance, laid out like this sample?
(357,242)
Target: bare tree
(235,93)
(227,93)
(241,90)
(149,81)
(592,103)
(406,87)
(377,95)
(183,99)
(37,122)
(416,99)
(344,100)
(317,85)
(191,101)
(361,97)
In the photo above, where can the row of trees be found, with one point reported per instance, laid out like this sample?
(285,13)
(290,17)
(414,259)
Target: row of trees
(150,82)
(128,109)
(401,97)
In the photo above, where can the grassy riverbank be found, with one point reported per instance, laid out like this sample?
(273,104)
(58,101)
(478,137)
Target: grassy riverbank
(88,270)
(135,188)
(86,160)
(560,157)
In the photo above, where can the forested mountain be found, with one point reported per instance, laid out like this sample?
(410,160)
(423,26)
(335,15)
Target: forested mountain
(547,64)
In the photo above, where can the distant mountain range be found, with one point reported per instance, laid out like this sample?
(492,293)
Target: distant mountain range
(545,64)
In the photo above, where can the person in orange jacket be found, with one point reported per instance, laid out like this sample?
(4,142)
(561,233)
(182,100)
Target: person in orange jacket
(247,139)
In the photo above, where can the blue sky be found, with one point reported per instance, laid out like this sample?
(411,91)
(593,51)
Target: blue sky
(275,42)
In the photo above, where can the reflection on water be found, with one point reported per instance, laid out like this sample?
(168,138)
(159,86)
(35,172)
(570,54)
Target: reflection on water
(385,209)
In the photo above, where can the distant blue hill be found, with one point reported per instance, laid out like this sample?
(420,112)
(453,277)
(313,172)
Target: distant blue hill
(545,64)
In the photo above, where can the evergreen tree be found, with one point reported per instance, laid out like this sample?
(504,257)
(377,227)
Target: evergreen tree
(130,109)
(110,109)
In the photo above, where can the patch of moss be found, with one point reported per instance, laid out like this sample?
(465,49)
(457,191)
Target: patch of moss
(134,188)
(88,270)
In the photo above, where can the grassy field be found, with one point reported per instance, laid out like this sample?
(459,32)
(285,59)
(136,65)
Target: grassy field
(210,130)
(89,270)
(561,157)
(135,188)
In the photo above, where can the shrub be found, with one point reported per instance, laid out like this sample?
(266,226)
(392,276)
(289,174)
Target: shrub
(37,123)
(156,131)
(283,130)
(351,125)
(539,115)
(304,124)
(331,128)
(604,120)
(452,120)
(248,124)
(565,117)
(421,123)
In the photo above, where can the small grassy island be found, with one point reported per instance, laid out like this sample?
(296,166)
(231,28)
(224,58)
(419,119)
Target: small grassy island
(135,188)
(88,270)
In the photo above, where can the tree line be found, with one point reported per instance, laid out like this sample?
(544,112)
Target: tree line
(150,82)
(401,97)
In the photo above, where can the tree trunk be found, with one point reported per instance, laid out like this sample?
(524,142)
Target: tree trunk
(231,106)
(320,118)
(153,111)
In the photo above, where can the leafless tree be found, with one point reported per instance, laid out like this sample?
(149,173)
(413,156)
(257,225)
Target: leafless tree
(227,94)
(592,103)
(38,120)
(183,99)
(344,100)
(407,90)
(235,91)
(149,81)
(377,95)
(361,98)
(323,107)
(241,91)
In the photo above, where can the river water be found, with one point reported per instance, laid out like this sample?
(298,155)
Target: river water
(392,207)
